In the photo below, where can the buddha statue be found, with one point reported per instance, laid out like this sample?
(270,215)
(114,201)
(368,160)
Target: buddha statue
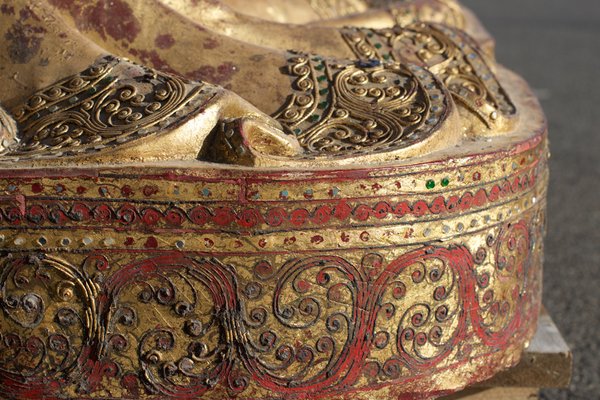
(224,199)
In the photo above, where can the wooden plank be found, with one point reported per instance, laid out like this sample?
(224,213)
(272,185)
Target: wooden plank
(505,393)
(546,363)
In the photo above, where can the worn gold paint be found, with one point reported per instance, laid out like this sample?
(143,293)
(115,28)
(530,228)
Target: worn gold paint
(380,235)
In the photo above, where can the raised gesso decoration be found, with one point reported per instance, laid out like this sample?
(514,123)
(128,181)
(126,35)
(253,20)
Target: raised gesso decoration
(196,203)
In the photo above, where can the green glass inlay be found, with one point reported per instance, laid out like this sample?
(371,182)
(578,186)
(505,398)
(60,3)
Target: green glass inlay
(378,45)
(445,182)
(323,91)
(323,105)
(314,118)
(430,184)
(322,78)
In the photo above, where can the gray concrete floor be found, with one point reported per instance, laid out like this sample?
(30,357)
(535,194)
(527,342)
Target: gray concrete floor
(555,45)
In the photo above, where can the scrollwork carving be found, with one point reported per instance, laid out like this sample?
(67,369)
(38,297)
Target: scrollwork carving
(447,52)
(192,348)
(177,325)
(353,108)
(420,315)
(502,289)
(322,298)
(111,103)
(49,318)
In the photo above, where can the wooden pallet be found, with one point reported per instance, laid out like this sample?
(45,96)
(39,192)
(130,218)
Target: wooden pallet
(547,363)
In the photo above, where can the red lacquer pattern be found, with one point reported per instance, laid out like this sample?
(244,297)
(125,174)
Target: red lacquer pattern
(100,213)
(180,325)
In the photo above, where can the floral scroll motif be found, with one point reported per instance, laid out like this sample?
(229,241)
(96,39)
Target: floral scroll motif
(353,109)
(450,54)
(50,318)
(424,295)
(112,102)
(503,290)
(323,298)
(190,307)
(181,326)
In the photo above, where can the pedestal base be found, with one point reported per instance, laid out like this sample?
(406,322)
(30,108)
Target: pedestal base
(547,363)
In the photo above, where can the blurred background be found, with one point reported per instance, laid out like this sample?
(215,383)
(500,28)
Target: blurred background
(555,45)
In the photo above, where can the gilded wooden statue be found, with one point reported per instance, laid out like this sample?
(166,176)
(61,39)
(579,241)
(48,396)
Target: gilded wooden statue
(310,199)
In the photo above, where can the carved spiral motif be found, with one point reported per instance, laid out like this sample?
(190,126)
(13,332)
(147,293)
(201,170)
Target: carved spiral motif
(502,291)
(196,297)
(421,305)
(101,107)
(450,54)
(37,292)
(353,108)
(65,89)
(180,326)
(322,297)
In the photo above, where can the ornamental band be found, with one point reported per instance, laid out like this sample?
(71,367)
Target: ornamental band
(212,199)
